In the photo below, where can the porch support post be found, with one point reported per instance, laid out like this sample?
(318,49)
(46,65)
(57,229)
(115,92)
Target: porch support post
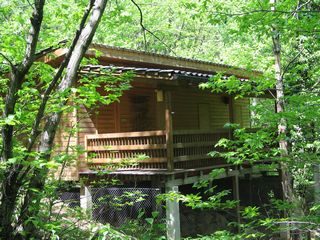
(231,114)
(168,130)
(86,199)
(172,216)
(235,181)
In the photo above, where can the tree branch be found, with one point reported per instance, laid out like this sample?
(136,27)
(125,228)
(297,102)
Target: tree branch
(41,110)
(147,30)
(18,75)
(32,39)
(35,132)
(290,63)
(13,67)
(50,49)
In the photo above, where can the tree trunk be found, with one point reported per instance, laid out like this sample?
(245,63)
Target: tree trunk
(47,137)
(282,125)
(10,188)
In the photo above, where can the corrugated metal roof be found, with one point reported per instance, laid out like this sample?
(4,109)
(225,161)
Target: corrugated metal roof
(98,69)
(174,57)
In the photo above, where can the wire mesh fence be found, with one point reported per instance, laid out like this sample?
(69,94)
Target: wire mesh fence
(71,199)
(118,205)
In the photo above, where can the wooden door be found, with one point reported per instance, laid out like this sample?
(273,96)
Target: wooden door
(141,113)
(204,116)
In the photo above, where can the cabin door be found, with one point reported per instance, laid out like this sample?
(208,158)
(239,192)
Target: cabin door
(204,116)
(141,113)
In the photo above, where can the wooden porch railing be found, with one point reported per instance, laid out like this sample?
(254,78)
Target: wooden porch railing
(188,145)
(114,147)
(195,144)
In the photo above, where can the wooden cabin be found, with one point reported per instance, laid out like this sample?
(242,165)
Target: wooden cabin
(164,116)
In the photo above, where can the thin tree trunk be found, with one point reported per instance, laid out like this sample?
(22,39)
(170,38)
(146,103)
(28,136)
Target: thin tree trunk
(282,125)
(47,137)
(10,188)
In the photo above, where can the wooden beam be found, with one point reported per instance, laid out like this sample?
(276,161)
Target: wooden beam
(201,177)
(236,196)
(231,114)
(126,134)
(194,144)
(126,147)
(119,160)
(168,130)
(117,117)
(192,157)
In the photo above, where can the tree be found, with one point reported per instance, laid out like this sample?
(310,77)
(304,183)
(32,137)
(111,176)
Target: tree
(21,179)
(232,32)
(293,23)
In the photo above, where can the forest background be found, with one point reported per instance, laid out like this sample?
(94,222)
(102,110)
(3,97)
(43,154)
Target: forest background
(281,39)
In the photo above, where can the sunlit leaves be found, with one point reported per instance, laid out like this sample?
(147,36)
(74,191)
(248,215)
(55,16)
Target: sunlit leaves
(103,89)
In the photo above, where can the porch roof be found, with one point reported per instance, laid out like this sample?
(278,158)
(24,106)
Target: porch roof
(150,72)
(141,59)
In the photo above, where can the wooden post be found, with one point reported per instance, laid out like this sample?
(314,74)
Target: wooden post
(168,129)
(231,114)
(235,181)
(86,199)
(284,231)
(172,216)
(117,124)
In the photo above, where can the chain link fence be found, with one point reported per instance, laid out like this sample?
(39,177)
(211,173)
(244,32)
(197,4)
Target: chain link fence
(117,205)
(71,199)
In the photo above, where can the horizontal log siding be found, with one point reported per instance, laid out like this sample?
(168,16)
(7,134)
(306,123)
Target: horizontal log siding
(242,112)
(104,118)
(185,106)
(63,139)
(86,126)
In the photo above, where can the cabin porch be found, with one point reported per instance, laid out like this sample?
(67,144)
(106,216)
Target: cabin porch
(157,128)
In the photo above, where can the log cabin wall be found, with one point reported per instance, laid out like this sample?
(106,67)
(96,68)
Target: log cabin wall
(136,111)
(104,118)
(65,141)
(242,112)
(196,109)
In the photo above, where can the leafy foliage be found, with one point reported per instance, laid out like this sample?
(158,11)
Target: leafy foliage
(229,32)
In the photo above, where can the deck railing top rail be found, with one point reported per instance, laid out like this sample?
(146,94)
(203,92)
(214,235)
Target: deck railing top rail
(126,134)
(197,131)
